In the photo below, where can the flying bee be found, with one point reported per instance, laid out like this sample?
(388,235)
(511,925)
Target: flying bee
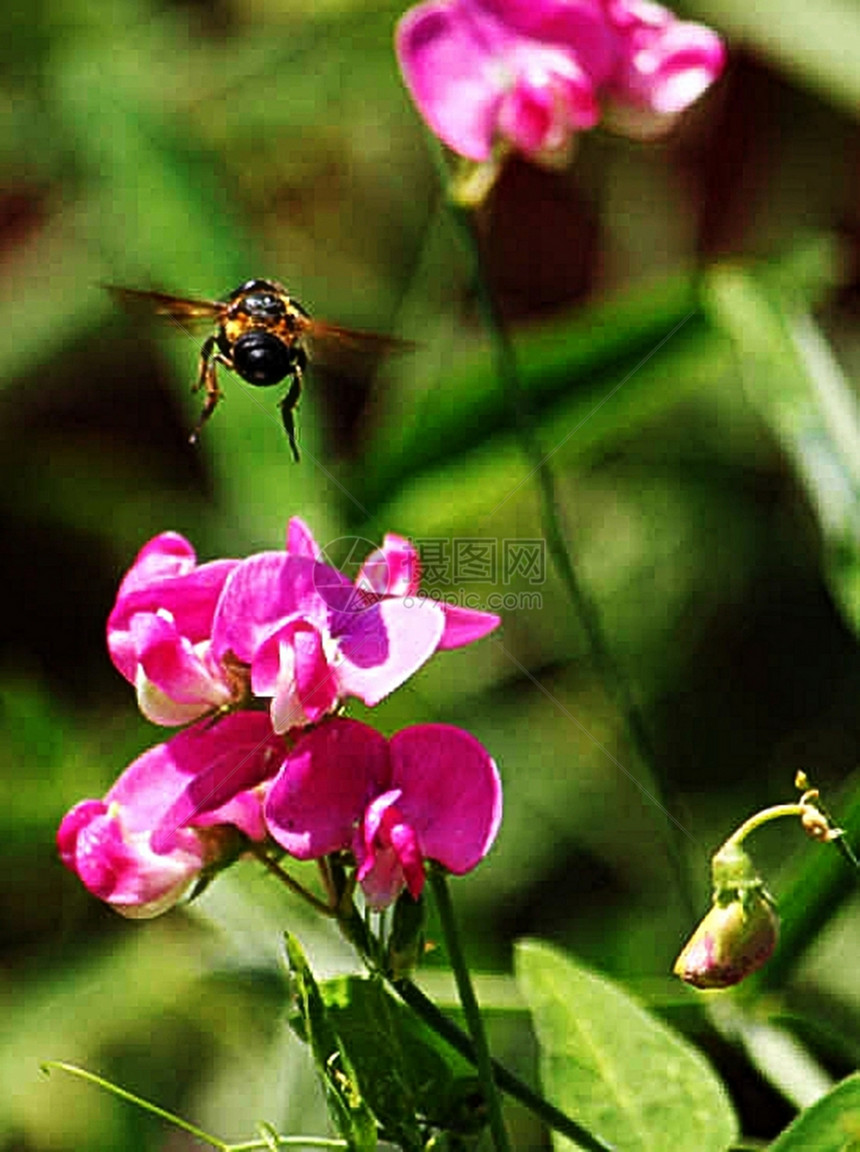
(263,335)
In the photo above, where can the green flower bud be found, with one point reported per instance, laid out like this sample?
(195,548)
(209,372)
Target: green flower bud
(736,938)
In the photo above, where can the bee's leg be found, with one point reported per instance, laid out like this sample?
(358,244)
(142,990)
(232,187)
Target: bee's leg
(287,405)
(208,379)
(206,352)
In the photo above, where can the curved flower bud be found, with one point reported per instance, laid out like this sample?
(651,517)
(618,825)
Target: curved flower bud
(735,939)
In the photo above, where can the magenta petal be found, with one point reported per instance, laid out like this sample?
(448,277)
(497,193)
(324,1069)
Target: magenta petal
(450,67)
(304,687)
(392,570)
(412,630)
(166,555)
(121,868)
(73,822)
(300,540)
(190,596)
(685,61)
(452,795)
(169,661)
(323,787)
(463,625)
(219,765)
(261,594)
(580,26)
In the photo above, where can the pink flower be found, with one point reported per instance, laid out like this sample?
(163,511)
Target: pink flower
(533,73)
(172,813)
(311,637)
(431,792)
(159,630)
(663,66)
(286,626)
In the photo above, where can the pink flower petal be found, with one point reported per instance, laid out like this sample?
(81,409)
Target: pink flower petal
(304,688)
(189,594)
(388,853)
(261,595)
(449,58)
(171,664)
(463,625)
(580,26)
(218,766)
(132,848)
(160,558)
(324,786)
(300,540)
(392,570)
(122,869)
(452,794)
(664,64)
(391,642)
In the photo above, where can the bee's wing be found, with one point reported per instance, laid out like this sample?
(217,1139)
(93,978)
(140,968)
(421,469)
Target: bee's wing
(347,349)
(183,312)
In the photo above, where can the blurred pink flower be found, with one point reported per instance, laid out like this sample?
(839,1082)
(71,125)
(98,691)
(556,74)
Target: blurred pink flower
(431,792)
(533,73)
(173,812)
(663,66)
(281,625)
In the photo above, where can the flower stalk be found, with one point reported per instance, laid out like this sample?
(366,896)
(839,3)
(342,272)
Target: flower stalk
(471,1011)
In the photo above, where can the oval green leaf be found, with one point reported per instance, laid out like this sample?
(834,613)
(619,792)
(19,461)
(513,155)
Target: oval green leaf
(613,1066)
(830,1125)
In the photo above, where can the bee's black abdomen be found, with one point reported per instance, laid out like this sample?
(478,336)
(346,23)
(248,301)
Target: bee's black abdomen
(261,358)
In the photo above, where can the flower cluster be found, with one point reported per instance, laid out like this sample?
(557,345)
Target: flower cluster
(256,655)
(533,73)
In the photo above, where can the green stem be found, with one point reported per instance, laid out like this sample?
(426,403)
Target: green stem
(286,879)
(605,664)
(146,1105)
(471,1011)
(553,1117)
(775,812)
(289,1142)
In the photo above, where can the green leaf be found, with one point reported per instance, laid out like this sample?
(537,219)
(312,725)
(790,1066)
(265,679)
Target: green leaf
(347,1106)
(411,1078)
(819,43)
(793,379)
(615,1067)
(830,1125)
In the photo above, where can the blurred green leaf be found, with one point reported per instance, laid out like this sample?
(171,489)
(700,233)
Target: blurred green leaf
(588,354)
(831,1125)
(349,1110)
(794,380)
(613,1066)
(818,43)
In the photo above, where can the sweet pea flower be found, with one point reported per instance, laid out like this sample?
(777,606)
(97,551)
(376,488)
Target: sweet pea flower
(312,637)
(173,812)
(286,626)
(431,792)
(159,629)
(533,73)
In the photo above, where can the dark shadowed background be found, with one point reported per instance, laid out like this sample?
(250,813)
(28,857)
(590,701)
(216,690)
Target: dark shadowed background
(654,292)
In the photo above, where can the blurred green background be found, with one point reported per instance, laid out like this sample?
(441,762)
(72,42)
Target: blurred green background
(685,317)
